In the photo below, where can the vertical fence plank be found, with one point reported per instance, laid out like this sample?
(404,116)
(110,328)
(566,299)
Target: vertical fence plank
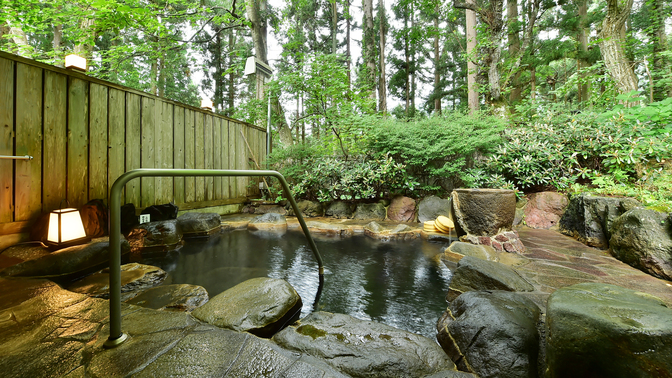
(225,158)
(28,195)
(217,151)
(78,139)
(133,149)
(148,153)
(208,140)
(241,159)
(189,154)
(98,143)
(164,150)
(6,140)
(55,121)
(233,181)
(178,152)
(200,155)
(116,143)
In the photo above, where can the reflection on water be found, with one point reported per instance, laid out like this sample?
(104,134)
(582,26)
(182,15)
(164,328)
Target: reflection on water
(396,283)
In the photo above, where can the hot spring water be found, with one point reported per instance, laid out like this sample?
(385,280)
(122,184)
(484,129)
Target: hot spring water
(396,283)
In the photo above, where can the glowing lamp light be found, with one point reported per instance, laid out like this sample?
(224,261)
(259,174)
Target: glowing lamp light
(75,62)
(206,104)
(65,229)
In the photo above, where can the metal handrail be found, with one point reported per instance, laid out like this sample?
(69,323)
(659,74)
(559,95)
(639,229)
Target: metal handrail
(116,335)
(25,157)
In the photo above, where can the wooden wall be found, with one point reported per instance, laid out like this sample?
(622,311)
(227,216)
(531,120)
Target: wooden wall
(83,133)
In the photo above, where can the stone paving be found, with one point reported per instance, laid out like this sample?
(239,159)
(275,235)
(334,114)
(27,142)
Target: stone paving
(46,331)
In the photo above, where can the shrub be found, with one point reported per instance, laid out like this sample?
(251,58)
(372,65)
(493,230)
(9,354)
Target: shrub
(557,151)
(318,176)
(436,150)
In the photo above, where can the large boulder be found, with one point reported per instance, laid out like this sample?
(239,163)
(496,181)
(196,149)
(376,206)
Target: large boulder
(483,212)
(401,209)
(199,224)
(601,330)
(261,306)
(94,217)
(431,207)
(268,222)
(363,348)
(643,239)
(177,297)
(155,236)
(492,334)
(308,209)
(71,262)
(340,210)
(374,211)
(474,274)
(398,232)
(588,219)
(544,209)
(134,278)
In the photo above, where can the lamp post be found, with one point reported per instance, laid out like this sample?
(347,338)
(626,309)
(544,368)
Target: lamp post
(262,71)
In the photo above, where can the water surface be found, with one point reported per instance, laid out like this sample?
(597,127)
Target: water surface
(395,283)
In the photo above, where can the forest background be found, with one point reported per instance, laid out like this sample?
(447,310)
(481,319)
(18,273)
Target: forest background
(569,95)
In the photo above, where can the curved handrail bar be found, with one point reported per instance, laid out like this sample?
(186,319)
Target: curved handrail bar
(116,335)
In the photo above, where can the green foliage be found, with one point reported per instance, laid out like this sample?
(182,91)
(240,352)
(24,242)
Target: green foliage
(318,176)
(556,150)
(436,150)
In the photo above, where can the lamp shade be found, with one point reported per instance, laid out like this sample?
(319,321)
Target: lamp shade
(206,104)
(75,62)
(65,229)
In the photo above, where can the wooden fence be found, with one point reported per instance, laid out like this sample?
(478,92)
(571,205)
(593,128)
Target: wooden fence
(83,133)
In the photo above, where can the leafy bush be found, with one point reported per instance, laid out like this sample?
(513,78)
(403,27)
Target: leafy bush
(557,151)
(316,175)
(436,150)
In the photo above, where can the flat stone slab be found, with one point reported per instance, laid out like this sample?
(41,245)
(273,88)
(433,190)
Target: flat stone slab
(68,262)
(398,232)
(474,274)
(199,224)
(134,278)
(46,331)
(261,306)
(364,348)
(177,297)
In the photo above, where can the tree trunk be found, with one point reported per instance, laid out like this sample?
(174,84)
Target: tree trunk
(232,76)
(348,57)
(18,38)
(472,69)
(85,48)
(612,45)
(413,63)
(334,27)
(57,43)
(514,47)
(660,63)
(583,88)
(255,9)
(437,63)
(382,85)
(408,64)
(369,49)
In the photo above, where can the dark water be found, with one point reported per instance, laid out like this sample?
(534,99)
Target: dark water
(395,283)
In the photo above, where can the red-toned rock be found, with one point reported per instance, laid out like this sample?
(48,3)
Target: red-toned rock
(401,209)
(501,238)
(484,240)
(544,209)
(497,246)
